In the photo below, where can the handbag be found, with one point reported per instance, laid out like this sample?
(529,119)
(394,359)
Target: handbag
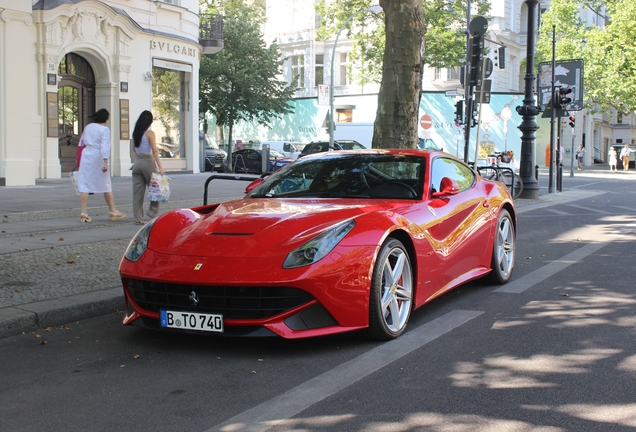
(80,149)
(159,188)
(73,176)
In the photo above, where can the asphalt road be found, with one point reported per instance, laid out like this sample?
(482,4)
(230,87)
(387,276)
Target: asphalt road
(553,350)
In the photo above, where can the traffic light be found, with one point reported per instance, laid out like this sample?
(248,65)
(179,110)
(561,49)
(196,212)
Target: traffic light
(459,112)
(572,120)
(500,57)
(476,59)
(563,97)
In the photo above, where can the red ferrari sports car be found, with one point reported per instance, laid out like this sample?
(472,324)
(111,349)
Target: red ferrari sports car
(334,242)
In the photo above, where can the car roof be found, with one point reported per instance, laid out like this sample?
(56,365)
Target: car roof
(388,151)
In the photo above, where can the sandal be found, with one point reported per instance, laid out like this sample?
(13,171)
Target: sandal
(85,218)
(116,215)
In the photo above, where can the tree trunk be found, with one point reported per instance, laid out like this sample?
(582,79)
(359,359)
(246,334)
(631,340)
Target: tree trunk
(401,86)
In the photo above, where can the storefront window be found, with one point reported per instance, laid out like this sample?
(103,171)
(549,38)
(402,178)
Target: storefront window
(167,110)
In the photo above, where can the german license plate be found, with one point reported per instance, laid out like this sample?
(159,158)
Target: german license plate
(191,321)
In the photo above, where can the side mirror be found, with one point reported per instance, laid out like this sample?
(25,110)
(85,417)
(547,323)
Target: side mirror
(250,187)
(448,187)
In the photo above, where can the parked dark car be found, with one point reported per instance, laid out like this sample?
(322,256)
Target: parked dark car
(215,158)
(323,146)
(250,161)
(428,144)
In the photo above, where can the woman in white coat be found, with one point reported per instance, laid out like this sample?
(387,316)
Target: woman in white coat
(93,175)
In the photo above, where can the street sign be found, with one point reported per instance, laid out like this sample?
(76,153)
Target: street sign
(426,121)
(486,86)
(568,74)
(488,66)
(478,26)
(451,93)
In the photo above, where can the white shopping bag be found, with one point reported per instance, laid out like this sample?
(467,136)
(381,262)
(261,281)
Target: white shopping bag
(159,188)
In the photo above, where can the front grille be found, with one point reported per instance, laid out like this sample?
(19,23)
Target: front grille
(232,302)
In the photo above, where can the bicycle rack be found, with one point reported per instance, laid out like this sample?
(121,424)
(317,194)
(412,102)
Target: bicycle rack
(495,172)
(236,161)
(227,177)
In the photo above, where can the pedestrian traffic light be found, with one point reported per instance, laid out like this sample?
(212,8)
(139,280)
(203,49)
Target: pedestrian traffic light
(459,112)
(572,119)
(563,97)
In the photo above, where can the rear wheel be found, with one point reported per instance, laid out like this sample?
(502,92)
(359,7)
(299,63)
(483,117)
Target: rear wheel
(503,249)
(391,292)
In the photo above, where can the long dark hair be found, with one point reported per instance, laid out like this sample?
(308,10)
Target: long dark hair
(143,123)
(101,116)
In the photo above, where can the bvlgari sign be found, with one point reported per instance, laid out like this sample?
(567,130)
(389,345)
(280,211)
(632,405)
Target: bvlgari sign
(171,47)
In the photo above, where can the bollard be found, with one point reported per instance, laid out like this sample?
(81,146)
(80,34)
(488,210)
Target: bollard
(560,178)
(536,172)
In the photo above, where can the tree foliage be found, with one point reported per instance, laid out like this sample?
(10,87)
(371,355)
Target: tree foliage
(444,43)
(240,82)
(607,50)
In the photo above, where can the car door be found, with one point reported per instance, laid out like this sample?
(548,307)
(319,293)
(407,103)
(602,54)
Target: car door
(461,230)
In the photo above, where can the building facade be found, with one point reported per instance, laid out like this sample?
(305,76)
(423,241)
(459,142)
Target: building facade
(62,60)
(293,24)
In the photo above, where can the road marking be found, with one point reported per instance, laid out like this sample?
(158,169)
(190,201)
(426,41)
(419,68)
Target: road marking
(559,212)
(593,210)
(280,408)
(539,275)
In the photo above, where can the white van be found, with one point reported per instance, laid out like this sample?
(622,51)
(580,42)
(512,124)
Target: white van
(284,147)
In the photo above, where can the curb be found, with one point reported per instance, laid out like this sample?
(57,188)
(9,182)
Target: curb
(60,311)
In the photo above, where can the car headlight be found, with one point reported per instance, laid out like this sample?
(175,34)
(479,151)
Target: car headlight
(318,247)
(139,243)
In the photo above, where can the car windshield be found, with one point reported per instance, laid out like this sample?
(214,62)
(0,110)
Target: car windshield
(348,176)
(276,154)
(209,144)
(351,145)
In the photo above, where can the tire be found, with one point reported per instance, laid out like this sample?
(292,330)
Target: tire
(391,296)
(503,250)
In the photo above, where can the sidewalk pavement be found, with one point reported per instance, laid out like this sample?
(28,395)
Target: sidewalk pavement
(55,270)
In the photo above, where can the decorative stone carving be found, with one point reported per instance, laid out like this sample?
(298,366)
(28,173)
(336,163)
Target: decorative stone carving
(124,44)
(51,33)
(16,16)
(87,26)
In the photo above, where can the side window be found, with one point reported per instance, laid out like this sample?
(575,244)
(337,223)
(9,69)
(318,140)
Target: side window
(286,147)
(455,170)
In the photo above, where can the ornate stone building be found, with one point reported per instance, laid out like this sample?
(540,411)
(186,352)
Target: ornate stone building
(61,60)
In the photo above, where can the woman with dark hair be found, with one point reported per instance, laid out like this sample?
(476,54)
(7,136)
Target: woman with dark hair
(93,175)
(147,161)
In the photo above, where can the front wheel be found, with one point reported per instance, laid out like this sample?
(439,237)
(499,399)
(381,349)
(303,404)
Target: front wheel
(503,249)
(391,295)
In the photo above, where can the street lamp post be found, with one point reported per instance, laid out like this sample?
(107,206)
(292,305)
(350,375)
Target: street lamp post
(332,119)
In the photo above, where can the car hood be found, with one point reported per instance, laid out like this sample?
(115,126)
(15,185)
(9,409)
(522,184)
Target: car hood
(249,227)
(214,152)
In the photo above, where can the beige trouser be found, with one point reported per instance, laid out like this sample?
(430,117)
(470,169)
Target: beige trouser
(625,163)
(142,170)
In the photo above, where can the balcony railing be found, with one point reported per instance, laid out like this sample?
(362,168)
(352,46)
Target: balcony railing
(211,33)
